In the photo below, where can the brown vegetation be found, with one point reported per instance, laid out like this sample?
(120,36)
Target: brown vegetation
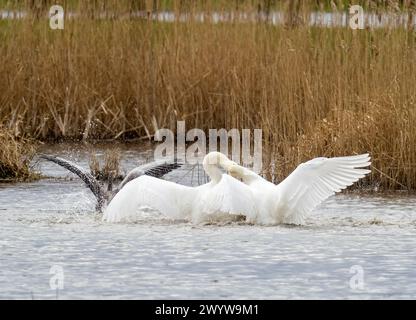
(15,156)
(110,170)
(313,91)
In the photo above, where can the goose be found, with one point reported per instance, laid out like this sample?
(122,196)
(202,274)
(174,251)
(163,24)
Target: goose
(224,197)
(155,169)
(303,190)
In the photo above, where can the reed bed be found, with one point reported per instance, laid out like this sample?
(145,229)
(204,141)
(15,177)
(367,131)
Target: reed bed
(108,171)
(313,91)
(15,156)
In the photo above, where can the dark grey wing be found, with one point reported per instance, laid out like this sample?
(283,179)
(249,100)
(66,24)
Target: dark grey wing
(154,169)
(133,174)
(160,170)
(83,174)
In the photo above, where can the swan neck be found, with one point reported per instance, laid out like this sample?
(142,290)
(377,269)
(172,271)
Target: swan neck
(212,163)
(213,172)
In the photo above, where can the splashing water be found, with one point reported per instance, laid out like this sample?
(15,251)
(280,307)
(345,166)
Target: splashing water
(53,222)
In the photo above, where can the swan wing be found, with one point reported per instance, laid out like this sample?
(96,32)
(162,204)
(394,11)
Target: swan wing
(166,198)
(83,174)
(228,196)
(158,170)
(155,169)
(314,181)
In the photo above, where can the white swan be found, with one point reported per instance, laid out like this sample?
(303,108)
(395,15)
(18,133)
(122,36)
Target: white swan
(259,200)
(305,188)
(222,196)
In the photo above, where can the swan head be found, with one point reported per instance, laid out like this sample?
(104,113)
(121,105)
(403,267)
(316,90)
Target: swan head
(212,163)
(240,173)
(236,171)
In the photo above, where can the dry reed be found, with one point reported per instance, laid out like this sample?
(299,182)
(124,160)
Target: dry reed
(313,91)
(15,156)
(110,170)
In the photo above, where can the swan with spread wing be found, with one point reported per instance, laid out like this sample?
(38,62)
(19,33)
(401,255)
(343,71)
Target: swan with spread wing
(304,189)
(259,200)
(223,197)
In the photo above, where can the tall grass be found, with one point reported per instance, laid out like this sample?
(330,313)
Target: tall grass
(313,91)
(15,156)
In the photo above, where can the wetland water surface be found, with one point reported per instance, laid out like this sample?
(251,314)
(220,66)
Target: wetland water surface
(52,222)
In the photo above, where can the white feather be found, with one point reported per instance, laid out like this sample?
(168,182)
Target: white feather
(259,200)
(167,198)
(306,187)
(223,196)
(227,197)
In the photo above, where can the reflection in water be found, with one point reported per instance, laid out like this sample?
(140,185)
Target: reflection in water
(52,222)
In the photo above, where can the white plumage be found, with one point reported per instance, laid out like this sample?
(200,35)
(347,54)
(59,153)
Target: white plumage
(223,196)
(304,189)
(259,200)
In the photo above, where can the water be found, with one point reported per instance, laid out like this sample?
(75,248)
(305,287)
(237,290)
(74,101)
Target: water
(52,224)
